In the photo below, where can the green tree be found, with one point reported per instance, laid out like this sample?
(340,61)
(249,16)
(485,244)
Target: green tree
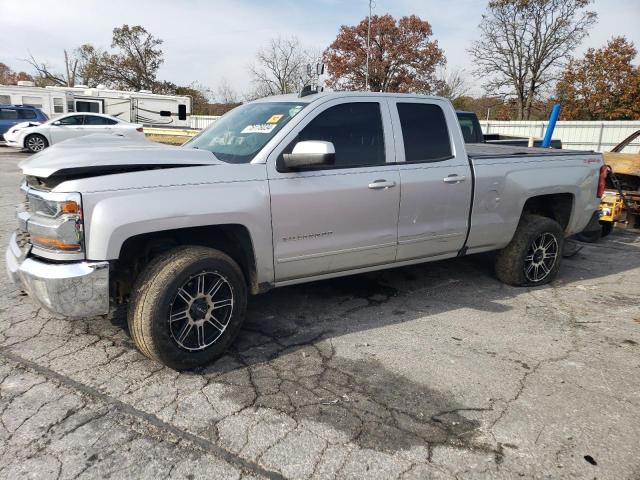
(136,61)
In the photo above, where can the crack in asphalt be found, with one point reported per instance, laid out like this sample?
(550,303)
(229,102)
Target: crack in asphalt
(146,417)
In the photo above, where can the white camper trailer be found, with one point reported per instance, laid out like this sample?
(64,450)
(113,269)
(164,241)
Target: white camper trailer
(26,93)
(136,107)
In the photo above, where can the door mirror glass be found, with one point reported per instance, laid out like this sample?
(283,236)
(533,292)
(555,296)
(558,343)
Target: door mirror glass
(310,153)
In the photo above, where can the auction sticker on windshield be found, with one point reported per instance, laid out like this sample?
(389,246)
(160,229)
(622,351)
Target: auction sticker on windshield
(259,128)
(275,118)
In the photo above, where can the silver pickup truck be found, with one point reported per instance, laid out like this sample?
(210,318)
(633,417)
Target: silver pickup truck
(280,191)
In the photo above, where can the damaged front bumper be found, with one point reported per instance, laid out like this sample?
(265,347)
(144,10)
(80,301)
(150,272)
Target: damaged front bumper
(78,289)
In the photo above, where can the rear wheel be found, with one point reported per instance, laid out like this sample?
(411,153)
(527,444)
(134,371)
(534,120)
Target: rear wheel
(35,143)
(187,307)
(534,254)
(592,236)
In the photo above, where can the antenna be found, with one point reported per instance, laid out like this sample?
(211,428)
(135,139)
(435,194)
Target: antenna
(366,75)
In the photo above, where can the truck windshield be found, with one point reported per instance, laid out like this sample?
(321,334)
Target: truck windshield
(239,135)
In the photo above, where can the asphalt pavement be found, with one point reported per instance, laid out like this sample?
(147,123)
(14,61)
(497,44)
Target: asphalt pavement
(436,371)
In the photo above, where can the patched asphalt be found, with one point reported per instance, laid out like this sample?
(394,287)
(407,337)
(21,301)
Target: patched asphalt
(431,371)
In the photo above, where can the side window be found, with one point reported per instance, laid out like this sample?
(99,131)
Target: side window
(424,131)
(6,99)
(25,114)
(8,114)
(32,101)
(72,120)
(355,129)
(466,125)
(58,105)
(93,120)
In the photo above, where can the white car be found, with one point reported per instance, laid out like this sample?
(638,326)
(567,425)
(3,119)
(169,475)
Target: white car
(36,138)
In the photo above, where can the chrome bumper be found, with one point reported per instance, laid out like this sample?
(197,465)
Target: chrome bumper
(79,289)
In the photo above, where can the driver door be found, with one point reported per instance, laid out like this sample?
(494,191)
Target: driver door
(66,127)
(340,217)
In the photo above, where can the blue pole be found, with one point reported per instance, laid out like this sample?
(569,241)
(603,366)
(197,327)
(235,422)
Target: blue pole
(555,112)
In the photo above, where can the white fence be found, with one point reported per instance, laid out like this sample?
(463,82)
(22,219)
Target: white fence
(575,135)
(201,121)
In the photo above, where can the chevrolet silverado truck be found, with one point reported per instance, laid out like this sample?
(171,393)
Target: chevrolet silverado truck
(280,191)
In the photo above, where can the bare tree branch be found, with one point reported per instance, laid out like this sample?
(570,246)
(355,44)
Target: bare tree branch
(524,43)
(280,67)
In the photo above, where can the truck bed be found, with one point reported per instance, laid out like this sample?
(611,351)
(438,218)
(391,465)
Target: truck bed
(485,150)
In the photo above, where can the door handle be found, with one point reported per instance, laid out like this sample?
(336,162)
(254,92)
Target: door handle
(380,184)
(454,178)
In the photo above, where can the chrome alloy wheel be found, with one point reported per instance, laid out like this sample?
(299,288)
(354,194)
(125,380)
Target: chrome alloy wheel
(541,257)
(200,311)
(35,143)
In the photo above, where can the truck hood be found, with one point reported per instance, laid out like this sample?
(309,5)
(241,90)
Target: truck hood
(104,154)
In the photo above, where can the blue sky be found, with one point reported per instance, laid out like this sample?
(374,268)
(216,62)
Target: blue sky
(210,40)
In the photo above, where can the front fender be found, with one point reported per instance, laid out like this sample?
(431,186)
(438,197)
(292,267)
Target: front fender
(113,217)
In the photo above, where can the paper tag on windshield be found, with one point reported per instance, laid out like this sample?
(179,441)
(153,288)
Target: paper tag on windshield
(259,128)
(275,118)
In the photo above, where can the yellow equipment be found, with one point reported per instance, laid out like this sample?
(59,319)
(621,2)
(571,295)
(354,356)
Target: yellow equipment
(620,204)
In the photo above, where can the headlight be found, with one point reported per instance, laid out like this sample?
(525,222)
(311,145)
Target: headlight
(54,221)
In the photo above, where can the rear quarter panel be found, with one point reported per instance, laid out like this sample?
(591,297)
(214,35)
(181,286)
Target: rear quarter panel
(503,185)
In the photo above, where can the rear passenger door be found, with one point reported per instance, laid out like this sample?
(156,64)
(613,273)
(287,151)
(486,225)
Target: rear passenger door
(96,124)
(340,217)
(435,178)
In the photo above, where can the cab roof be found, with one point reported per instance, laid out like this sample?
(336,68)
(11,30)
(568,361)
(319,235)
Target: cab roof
(309,98)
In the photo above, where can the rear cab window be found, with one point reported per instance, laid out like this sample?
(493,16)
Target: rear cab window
(470,127)
(424,132)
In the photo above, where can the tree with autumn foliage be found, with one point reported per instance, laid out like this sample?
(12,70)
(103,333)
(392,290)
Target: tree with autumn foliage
(10,77)
(603,85)
(402,56)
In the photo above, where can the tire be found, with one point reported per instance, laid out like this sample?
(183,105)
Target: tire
(535,237)
(172,323)
(607,228)
(35,143)
(593,236)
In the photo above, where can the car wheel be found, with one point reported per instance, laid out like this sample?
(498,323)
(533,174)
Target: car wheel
(35,143)
(187,307)
(607,228)
(534,254)
(590,237)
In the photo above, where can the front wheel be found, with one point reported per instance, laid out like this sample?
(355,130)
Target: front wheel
(35,143)
(187,307)
(534,254)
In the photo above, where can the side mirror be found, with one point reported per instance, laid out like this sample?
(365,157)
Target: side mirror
(310,153)
(57,123)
